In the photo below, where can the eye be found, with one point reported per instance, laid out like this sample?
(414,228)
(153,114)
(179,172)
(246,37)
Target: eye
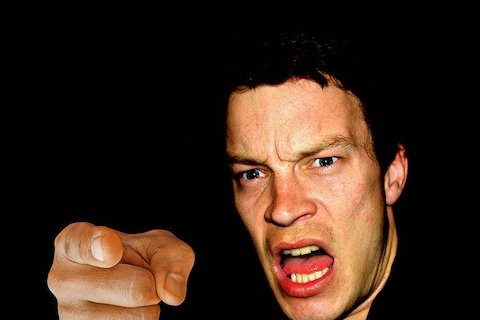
(325,162)
(250,174)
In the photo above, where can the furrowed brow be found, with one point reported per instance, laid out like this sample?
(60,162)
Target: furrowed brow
(330,143)
(237,159)
(339,141)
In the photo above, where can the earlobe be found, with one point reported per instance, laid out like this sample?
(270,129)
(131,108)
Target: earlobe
(396,176)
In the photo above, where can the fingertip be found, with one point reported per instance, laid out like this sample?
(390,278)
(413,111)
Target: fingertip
(97,248)
(175,289)
(106,247)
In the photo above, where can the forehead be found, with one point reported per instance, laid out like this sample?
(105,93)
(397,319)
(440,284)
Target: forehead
(294,101)
(290,116)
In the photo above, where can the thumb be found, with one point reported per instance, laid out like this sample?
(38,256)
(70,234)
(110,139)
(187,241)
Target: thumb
(171,263)
(85,243)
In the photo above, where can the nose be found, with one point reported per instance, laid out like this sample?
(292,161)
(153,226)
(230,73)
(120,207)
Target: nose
(289,202)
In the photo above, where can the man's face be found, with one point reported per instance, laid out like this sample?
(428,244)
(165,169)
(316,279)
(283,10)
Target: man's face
(309,191)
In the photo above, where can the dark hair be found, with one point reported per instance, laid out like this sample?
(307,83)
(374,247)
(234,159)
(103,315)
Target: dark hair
(357,64)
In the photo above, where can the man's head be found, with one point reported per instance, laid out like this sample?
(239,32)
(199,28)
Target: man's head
(314,174)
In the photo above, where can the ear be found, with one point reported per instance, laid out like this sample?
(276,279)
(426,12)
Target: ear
(396,176)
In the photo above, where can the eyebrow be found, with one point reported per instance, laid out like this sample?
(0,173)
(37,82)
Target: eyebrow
(332,142)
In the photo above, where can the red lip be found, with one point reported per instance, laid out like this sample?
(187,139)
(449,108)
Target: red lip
(303,266)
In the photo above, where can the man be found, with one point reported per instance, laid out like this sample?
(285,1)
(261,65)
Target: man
(316,169)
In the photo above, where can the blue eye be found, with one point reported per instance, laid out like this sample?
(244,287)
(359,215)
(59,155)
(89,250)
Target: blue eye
(325,162)
(251,174)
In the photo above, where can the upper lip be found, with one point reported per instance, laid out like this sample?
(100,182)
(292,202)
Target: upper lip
(278,249)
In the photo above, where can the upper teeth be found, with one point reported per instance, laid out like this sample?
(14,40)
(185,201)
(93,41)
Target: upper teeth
(301,251)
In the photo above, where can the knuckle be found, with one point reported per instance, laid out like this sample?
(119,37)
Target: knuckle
(54,280)
(186,252)
(161,233)
(68,311)
(141,288)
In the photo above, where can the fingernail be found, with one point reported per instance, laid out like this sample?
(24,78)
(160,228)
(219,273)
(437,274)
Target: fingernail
(175,284)
(97,248)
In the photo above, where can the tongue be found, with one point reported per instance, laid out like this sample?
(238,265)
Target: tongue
(308,265)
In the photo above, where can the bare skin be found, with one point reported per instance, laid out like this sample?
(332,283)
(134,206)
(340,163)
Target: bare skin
(100,273)
(305,175)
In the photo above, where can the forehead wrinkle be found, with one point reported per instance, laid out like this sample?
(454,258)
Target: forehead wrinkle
(311,149)
(356,135)
(337,141)
(286,141)
(264,118)
(242,152)
(286,144)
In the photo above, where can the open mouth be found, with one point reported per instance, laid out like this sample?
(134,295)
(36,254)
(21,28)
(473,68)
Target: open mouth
(305,264)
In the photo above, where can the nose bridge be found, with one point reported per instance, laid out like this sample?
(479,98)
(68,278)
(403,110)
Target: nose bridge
(289,200)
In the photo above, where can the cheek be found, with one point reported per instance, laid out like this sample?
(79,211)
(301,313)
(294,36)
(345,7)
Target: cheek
(358,198)
(363,218)
(249,217)
(359,226)
(348,196)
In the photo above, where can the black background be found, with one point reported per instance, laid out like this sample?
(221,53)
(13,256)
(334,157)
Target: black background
(114,124)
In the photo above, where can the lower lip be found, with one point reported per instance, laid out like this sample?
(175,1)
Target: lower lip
(304,290)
